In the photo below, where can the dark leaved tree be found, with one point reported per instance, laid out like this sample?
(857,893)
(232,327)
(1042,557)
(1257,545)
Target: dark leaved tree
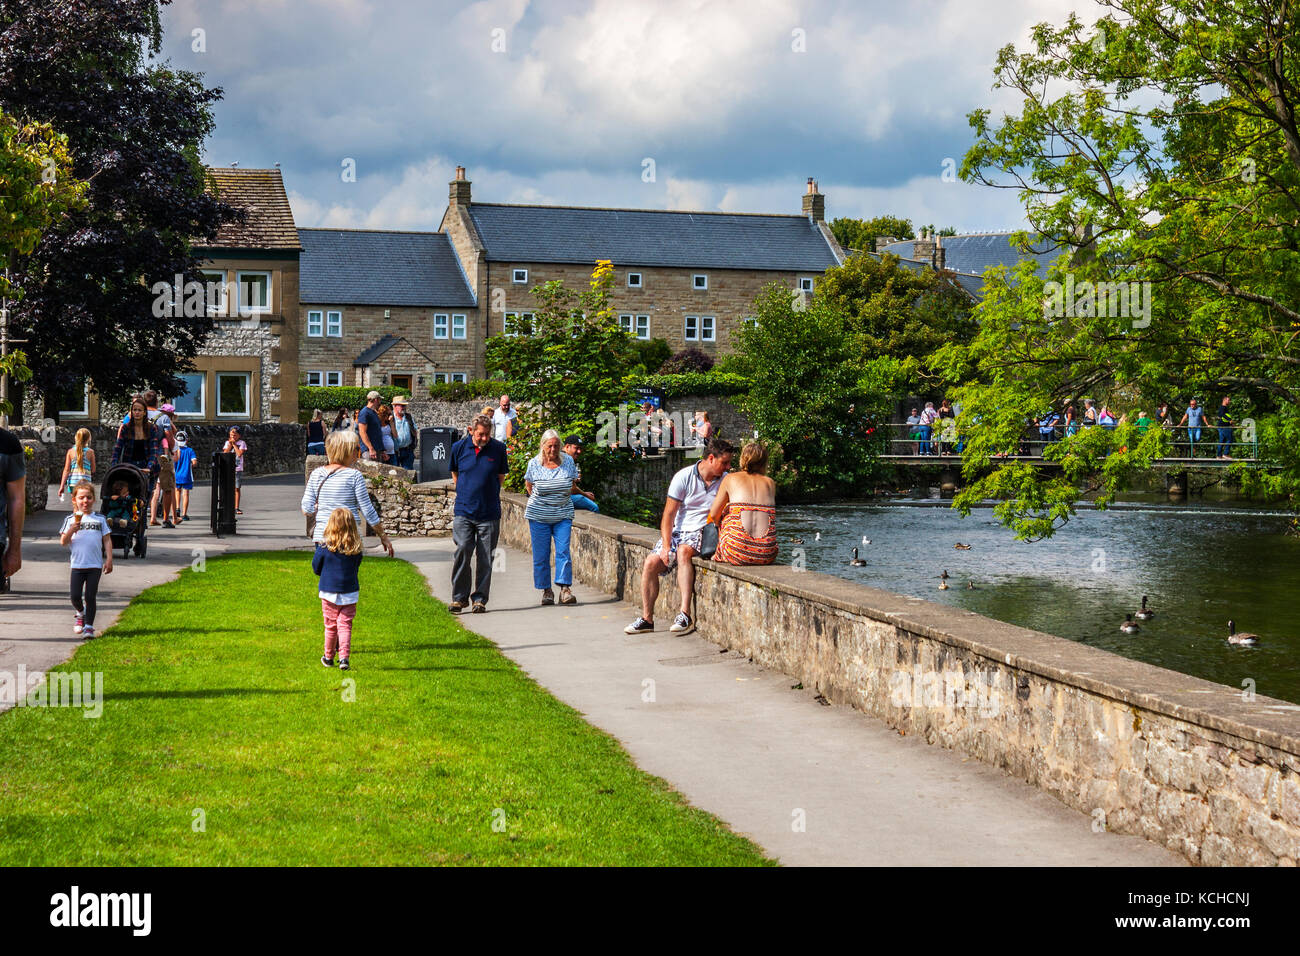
(134,127)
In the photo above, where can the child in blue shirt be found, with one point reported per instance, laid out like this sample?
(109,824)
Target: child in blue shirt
(337,560)
(184,461)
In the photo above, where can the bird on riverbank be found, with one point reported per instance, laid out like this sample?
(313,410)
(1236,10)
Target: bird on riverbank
(1145,613)
(857,562)
(943,581)
(961,547)
(1129,626)
(1244,638)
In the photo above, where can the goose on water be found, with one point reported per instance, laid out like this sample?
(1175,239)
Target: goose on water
(943,581)
(857,562)
(1250,640)
(1129,626)
(1145,614)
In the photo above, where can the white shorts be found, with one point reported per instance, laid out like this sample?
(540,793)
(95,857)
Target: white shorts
(690,539)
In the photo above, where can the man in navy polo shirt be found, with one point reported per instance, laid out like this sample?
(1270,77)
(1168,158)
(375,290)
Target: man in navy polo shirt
(370,429)
(478,469)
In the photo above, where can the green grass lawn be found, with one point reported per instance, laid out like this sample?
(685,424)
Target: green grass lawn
(215,700)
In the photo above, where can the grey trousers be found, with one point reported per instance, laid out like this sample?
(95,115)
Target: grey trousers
(474,540)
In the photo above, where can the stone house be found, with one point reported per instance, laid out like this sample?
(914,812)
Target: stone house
(247,369)
(689,278)
(385,308)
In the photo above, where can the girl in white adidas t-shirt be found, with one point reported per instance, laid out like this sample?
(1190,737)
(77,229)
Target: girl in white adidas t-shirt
(84,532)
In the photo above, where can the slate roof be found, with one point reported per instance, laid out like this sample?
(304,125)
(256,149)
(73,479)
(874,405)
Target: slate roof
(261,192)
(374,267)
(376,350)
(972,254)
(647,237)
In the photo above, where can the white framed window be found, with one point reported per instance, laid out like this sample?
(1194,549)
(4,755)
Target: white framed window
(700,282)
(254,292)
(443,377)
(637,326)
(440,325)
(334,324)
(706,328)
(517,323)
(214,291)
(750,321)
(458,326)
(805,284)
(77,396)
(691,333)
(232,394)
(315,325)
(314,378)
(634,280)
(333,378)
(192,404)
(459,377)
(519,276)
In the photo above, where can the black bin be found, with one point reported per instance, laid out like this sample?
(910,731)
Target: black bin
(223,492)
(435,452)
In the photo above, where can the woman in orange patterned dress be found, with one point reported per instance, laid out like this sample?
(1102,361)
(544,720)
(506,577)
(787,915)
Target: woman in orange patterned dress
(745,511)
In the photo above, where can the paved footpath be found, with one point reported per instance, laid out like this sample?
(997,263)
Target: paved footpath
(734,738)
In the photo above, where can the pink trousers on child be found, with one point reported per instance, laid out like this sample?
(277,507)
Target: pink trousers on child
(338,627)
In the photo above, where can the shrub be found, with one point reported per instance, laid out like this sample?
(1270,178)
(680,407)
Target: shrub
(330,398)
(651,353)
(483,388)
(687,360)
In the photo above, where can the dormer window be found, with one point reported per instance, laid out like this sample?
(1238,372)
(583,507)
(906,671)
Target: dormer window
(700,282)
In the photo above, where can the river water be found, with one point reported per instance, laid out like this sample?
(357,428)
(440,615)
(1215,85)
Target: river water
(1199,565)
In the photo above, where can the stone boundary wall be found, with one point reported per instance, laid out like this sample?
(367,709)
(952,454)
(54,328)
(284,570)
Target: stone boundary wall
(1184,762)
(408,510)
(273,448)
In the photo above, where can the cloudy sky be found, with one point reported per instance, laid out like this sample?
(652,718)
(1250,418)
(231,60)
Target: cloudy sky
(668,104)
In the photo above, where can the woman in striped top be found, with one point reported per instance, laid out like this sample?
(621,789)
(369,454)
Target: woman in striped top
(340,485)
(551,480)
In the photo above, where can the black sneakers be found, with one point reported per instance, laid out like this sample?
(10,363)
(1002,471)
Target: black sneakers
(344,665)
(327,661)
(682,624)
(639,626)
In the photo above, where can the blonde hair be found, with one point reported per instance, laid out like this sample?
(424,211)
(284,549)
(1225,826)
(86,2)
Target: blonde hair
(341,447)
(753,458)
(83,439)
(341,533)
(83,484)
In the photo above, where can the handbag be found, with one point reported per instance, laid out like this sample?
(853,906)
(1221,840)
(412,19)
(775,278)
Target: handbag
(311,518)
(708,540)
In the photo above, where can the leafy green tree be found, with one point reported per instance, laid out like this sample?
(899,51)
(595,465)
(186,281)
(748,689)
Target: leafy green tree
(36,189)
(860,233)
(571,364)
(815,390)
(899,313)
(1159,147)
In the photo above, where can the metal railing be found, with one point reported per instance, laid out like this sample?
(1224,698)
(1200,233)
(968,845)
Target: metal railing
(1204,442)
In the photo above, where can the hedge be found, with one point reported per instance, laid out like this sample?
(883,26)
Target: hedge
(330,398)
(484,388)
(697,383)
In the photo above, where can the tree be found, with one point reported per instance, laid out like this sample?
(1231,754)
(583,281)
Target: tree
(861,233)
(814,390)
(134,129)
(36,189)
(899,313)
(570,365)
(1160,147)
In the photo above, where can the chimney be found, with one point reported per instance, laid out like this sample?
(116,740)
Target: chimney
(459,193)
(923,248)
(938,253)
(814,203)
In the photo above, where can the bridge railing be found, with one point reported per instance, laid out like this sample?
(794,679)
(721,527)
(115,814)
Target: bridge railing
(1209,442)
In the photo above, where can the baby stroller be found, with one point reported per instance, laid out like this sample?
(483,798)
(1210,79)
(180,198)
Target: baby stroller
(131,537)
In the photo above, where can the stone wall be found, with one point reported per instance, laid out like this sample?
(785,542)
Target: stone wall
(408,510)
(729,422)
(273,449)
(1186,763)
(38,481)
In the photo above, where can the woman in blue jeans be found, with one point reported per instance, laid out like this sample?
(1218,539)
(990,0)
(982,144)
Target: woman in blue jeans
(551,479)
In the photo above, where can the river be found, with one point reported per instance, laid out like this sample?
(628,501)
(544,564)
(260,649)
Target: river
(1199,565)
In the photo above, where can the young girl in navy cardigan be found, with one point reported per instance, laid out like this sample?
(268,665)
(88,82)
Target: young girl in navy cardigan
(337,561)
